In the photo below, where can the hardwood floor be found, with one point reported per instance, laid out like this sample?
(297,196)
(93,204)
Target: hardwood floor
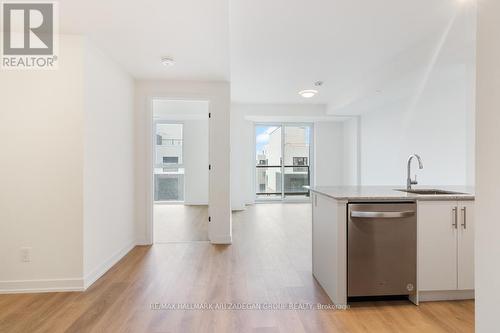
(180,223)
(269,262)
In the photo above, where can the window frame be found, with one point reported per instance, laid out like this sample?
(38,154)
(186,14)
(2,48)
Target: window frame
(283,197)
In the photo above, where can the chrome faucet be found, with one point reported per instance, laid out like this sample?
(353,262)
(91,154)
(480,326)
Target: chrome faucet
(409,181)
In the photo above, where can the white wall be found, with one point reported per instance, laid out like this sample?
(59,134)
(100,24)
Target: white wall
(434,119)
(71,202)
(336,152)
(108,169)
(435,129)
(336,145)
(195,148)
(488,166)
(242,159)
(329,153)
(218,95)
(41,198)
(352,172)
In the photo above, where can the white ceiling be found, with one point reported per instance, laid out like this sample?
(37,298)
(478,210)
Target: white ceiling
(357,47)
(365,51)
(138,33)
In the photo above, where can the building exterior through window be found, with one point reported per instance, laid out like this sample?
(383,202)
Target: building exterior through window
(169,170)
(282,160)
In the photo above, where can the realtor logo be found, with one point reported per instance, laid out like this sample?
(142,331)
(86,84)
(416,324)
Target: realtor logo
(29,35)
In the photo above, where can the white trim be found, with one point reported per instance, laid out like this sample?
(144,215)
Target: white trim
(41,286)
(195,203)
(221,239)
(99,271)
(180,203)
(181,117)
(445,295)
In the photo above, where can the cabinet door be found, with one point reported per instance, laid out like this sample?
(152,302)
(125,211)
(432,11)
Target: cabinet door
(466,246)
(437,245)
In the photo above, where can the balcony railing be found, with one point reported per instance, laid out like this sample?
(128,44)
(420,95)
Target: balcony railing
(269,180)
(169,142)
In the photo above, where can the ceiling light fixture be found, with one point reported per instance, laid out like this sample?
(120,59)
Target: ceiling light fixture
(308,93)
(167,61)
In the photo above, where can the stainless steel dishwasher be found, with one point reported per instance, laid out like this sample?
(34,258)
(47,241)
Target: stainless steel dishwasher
(382,249)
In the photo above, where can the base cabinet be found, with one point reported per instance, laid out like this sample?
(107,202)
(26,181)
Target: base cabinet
(445,245)
(466,246)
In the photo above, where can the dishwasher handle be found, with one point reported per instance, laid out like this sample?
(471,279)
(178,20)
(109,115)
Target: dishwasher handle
(383,215)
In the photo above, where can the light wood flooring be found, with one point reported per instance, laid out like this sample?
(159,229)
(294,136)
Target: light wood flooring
(269,262)
(180,223)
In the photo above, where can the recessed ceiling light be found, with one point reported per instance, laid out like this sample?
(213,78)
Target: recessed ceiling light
(167,61)
(308,93)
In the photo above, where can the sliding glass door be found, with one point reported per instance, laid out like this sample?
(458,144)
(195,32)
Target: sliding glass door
(283,155)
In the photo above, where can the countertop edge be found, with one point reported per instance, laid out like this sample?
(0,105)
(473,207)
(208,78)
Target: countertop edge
(402,197)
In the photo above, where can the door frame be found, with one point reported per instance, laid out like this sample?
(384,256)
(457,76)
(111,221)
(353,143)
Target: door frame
(311,160)
(152,160)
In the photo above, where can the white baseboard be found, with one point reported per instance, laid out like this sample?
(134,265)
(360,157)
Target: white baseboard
(143,243)
(221,239)
(105,266)
(445,295)
(63,285)
(41,286)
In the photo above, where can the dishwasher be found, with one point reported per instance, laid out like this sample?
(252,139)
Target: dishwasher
(381,249)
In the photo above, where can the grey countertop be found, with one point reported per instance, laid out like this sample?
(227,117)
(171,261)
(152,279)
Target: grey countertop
(357,193)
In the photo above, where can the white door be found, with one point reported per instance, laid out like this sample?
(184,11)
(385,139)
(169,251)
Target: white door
(437,245)
(466,246)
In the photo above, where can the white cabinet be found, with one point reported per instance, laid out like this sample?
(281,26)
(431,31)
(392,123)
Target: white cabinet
(466,246)
(445,245)
(329,246)
(437,246)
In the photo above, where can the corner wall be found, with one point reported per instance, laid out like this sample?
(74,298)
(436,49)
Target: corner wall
(108,169)
(66,138)
(41,192)
(487,166)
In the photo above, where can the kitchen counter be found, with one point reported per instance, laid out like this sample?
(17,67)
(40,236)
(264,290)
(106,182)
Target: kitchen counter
(445,242)
(360,193)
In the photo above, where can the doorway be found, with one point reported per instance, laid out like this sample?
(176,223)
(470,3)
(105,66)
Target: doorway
(180,130)
(283,155)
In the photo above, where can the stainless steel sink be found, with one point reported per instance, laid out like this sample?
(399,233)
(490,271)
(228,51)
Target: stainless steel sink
(430,191)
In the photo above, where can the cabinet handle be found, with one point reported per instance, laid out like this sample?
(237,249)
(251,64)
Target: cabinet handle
(455,219)
(464,224)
